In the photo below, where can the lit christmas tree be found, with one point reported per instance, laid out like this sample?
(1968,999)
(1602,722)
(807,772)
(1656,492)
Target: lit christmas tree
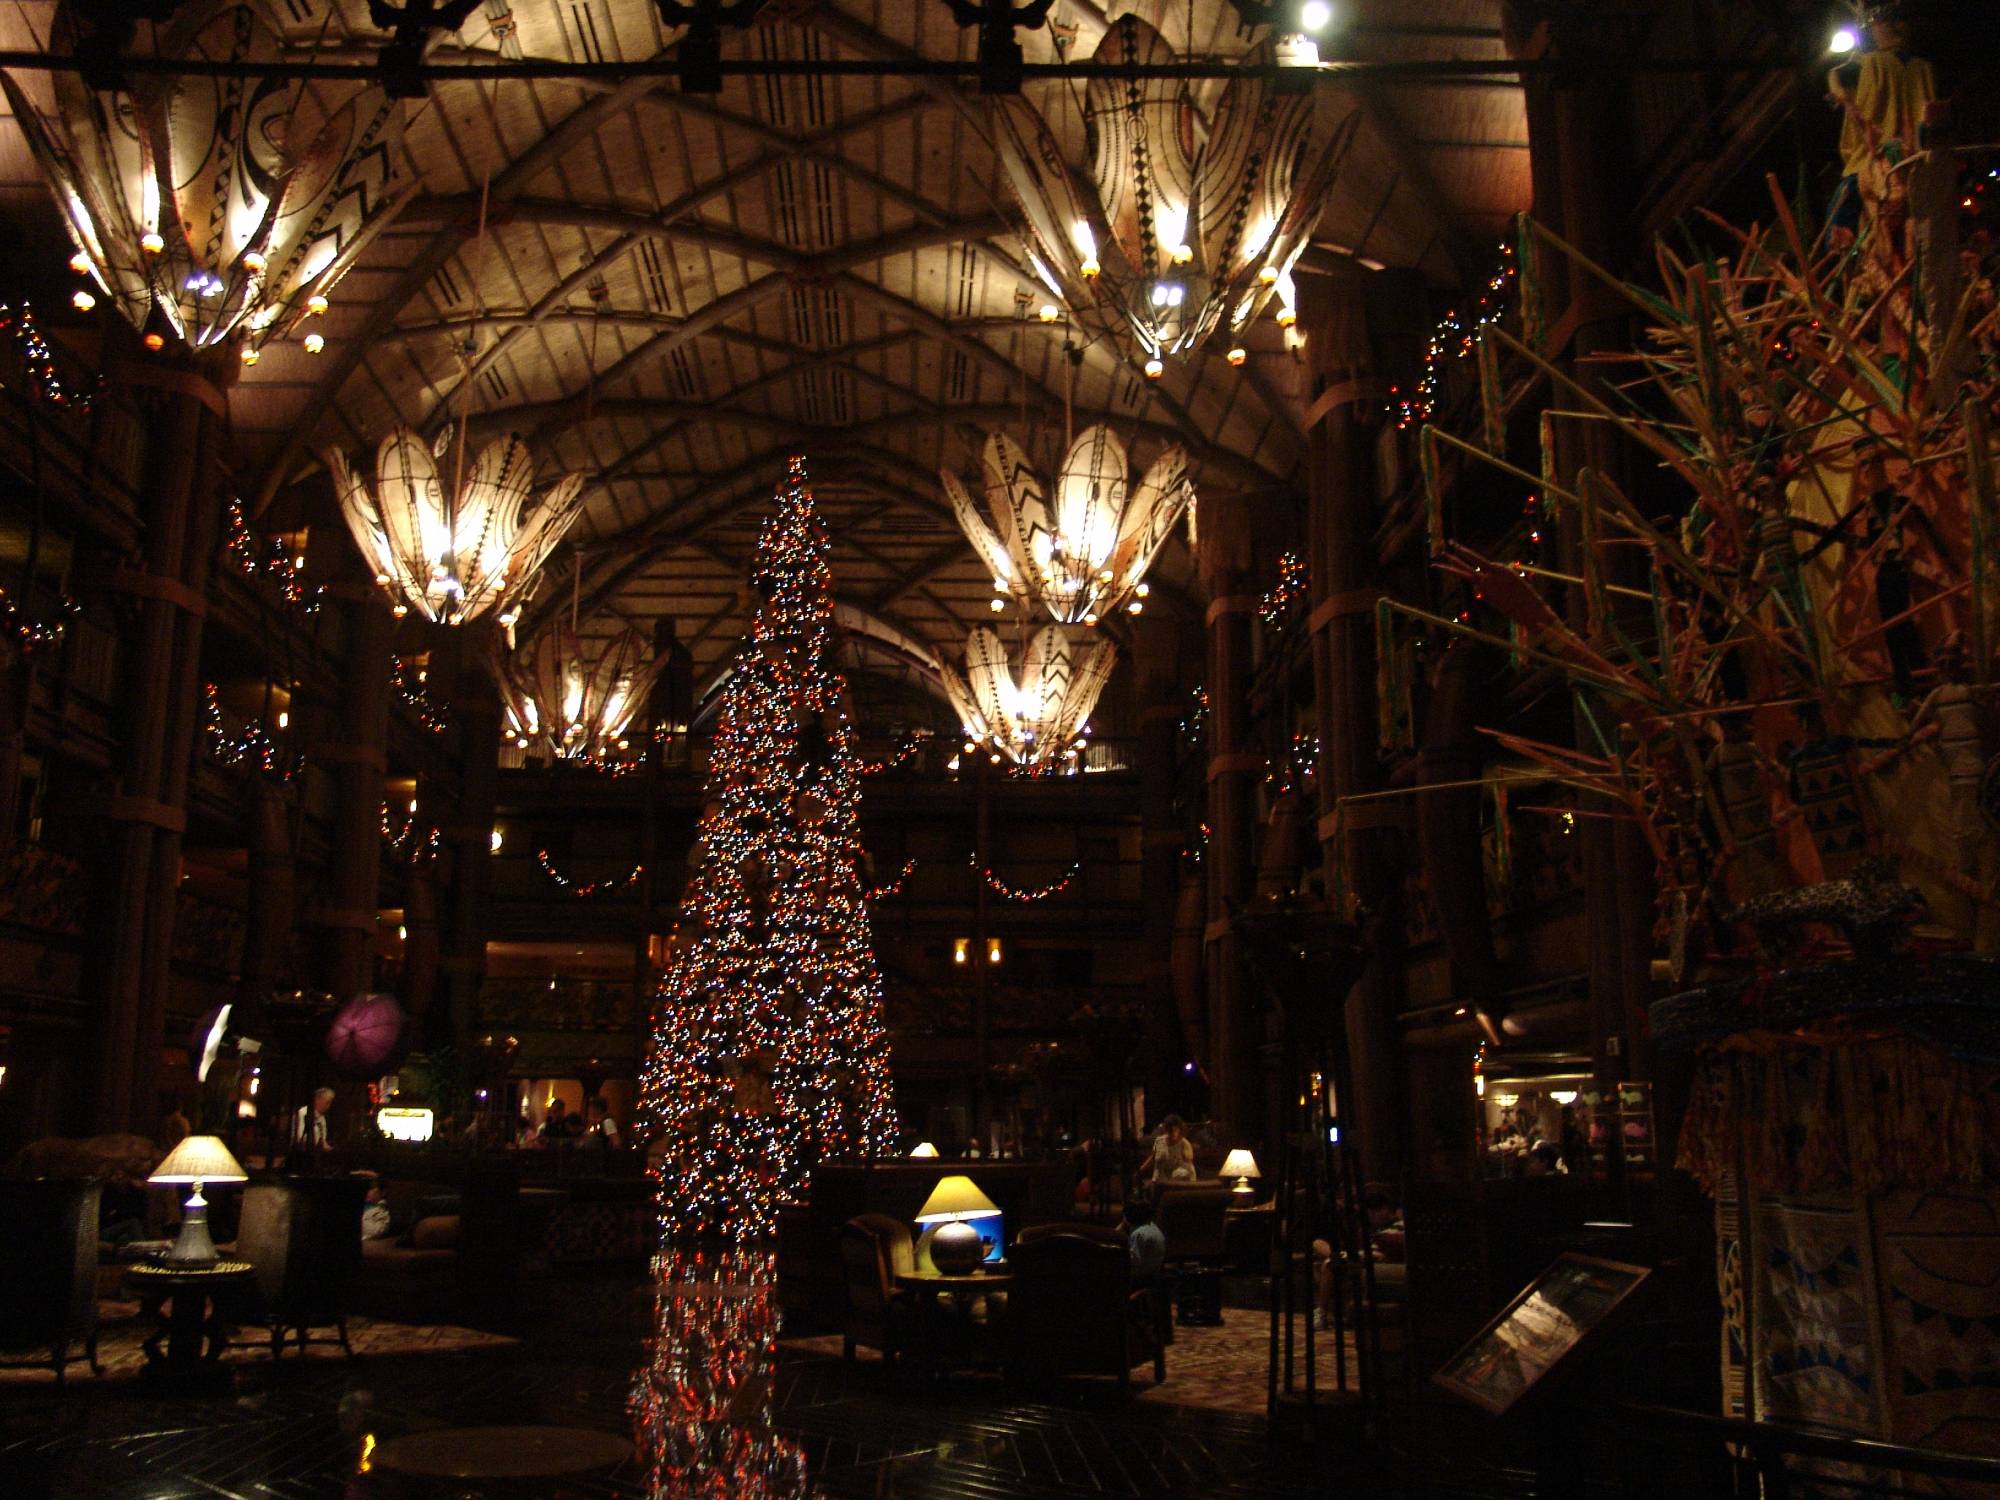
(769,1054)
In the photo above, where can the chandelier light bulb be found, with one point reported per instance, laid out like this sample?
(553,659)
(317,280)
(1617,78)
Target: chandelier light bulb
(152,242)
(1090,269)
(1843,41)
(1182,254)
(997,605)
(315,304)
(80,263)
(1155,368)
(1315,15)
(1238,354)
(250,355)
(254,263)
(1136,607)
(315,342)
(1268,275)
(1050,312)
(82,300)
(154,340)
(1287,316)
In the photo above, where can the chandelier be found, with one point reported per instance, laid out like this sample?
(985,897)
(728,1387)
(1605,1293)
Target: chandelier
(570,699)
(1041,719)
(1088,555)
(452,551)
(1195,210)
(204,206)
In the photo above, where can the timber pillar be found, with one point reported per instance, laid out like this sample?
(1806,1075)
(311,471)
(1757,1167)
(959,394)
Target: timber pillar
(1361,836)
(165,587)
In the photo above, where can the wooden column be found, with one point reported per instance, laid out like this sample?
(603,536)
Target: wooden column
(271,903)
(128,966)
(357,761)
(1156,663)
(1234,769)
(1343,317)
(468,836)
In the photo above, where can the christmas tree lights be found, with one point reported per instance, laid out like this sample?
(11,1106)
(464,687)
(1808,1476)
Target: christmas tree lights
(768,1052)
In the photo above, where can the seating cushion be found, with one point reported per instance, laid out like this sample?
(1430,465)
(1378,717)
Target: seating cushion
(437,1232)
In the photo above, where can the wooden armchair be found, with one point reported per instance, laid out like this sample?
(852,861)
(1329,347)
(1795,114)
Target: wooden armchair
(874,1250)
(48,1271)
(304,1238)
(1073,1309)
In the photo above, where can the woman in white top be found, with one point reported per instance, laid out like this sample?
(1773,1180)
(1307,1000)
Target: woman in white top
(1173,1152)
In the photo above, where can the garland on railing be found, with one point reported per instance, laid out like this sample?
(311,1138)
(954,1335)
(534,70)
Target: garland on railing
(1454,338)
(893,887)
(1023,895)
(274,563)
(416,696)
(1296,767)
(1194,853)
(252,746)
(1194,722)
(1276,606)
(39,359)
(905,748)
(586,887)
(32,633)
(404,841)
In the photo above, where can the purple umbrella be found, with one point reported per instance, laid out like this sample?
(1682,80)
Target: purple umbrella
(364,1034)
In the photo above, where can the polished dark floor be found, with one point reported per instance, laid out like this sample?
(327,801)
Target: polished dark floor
(302,1431)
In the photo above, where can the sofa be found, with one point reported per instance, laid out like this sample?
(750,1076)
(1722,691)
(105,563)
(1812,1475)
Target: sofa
(451,1254)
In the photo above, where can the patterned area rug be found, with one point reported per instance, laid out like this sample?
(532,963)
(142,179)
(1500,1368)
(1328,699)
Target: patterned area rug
(1220,1368)
(122,1332)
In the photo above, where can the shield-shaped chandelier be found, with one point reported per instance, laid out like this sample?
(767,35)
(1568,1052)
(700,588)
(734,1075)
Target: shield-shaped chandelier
(1086,554)
(575,699)
(208,205)
(1191,219)
(1039,719)
(451,534)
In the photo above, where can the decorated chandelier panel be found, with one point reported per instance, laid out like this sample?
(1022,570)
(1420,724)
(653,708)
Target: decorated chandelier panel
(1191,219)
(208,206)
(452,534)
(1041,718)
(1085,554)
(569,699)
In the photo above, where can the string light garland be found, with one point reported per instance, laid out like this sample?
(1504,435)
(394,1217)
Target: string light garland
(1194,720)
(1296,767)
(906,748)
(38,359)
(250,746)
(1023,895)
(33,634)
(1276,606)
(587,887)
(894,887)
(412,690)
(1453,339)
(769,1053)
(408,842)
(273,564)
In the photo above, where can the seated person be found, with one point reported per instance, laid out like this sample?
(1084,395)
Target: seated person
(1173,1153)
(1148,1245)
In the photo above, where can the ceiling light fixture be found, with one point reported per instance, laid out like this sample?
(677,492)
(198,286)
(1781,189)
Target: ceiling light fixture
(1035,719)
(182,200)
(1085,555)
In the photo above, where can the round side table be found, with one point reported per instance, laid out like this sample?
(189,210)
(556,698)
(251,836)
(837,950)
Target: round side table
(194,1330)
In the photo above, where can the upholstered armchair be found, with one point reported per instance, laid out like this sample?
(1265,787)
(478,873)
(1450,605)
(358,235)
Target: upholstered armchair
(874,1250)
(304,1237)
(1073,1309)
(48,1271)
(1193,1222)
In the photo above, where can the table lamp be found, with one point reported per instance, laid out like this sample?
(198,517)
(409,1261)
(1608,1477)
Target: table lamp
(1241,1165)
(953,1243)
(925,1148)
(198,1159)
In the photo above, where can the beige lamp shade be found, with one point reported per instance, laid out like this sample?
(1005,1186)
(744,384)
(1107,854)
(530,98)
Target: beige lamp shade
(925,1148)
(955,1198)
(199,1158)
(1240,1163)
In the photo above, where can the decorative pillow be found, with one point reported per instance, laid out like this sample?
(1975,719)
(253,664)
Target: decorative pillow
(438,1232)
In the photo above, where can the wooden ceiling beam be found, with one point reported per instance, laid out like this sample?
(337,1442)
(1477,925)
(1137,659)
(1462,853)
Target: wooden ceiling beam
(510,183)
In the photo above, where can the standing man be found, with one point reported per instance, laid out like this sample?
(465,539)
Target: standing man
(309,1125)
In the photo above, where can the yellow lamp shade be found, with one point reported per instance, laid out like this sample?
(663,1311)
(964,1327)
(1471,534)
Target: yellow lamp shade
(199,1158)
(1240,1163)
(925,1148)
(955,1198)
